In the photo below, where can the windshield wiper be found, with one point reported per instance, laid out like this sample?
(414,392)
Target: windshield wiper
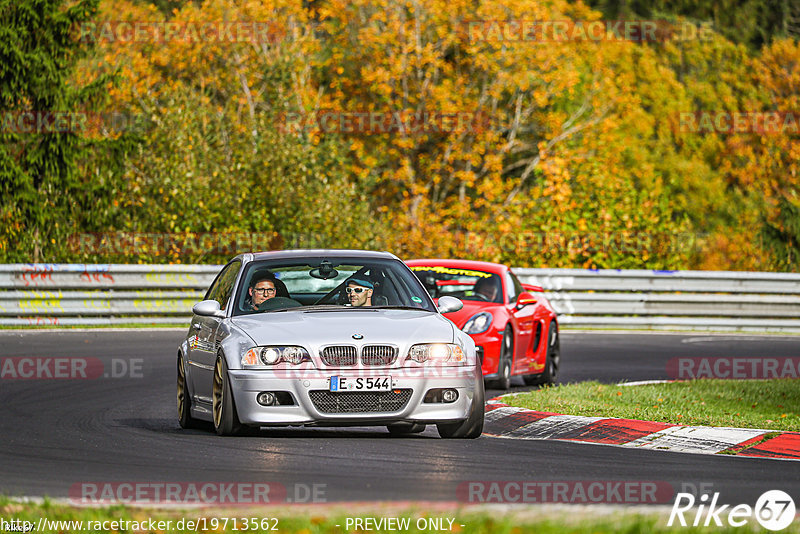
(327,307)
(400,308)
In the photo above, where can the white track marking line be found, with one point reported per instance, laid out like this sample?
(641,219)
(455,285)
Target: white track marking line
(500,413)
(553,425)
(702,440)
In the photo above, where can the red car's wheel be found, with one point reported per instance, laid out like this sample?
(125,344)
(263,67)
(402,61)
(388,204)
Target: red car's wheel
(551,362)
(506,360)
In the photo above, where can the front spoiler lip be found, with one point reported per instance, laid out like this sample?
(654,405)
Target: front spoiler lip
(247,384)
(349,424)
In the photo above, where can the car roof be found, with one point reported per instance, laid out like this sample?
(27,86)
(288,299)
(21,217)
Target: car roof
(317,253)
(464,264)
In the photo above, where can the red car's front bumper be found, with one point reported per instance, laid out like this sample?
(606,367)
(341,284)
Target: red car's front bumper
(488,345)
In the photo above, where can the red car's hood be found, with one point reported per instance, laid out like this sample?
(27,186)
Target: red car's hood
(471,307)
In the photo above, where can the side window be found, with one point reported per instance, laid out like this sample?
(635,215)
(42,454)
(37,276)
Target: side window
(222,287)
(513,287)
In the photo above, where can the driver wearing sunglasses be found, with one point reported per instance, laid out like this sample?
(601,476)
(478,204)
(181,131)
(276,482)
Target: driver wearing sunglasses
(359,292)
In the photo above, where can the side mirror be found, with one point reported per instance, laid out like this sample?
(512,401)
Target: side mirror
(531,287)
(525,299)
(449,304)
(208,308)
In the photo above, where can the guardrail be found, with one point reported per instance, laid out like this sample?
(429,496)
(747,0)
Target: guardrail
(96,294)
(59,294)
(693,300)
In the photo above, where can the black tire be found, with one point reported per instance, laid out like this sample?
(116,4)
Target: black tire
(184,399)
(402,429)
(226,421)
(552,360)
(472,427)
(506,360)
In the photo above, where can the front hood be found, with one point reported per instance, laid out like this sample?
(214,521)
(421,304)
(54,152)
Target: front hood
(471,307)
(322,327)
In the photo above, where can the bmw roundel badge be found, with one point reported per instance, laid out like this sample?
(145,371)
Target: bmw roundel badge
(358,336)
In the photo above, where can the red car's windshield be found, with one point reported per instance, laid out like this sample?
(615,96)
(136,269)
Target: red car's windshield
(466,284)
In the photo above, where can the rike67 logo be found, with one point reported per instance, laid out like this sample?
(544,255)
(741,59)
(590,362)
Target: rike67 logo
(774,510)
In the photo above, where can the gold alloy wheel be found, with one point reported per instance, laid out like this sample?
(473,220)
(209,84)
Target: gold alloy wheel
(181,386)
(218,393)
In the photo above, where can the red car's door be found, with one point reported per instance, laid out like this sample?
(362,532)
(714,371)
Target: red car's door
(524,323)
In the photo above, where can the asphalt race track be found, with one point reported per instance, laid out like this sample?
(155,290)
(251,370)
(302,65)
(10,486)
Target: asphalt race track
(122,427)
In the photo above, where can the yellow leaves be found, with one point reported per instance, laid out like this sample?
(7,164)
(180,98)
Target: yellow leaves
(586,113)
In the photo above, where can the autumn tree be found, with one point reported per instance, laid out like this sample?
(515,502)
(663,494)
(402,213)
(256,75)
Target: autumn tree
(45,194)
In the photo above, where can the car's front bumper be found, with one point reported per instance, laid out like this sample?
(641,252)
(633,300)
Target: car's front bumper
(491,343)
(247,384)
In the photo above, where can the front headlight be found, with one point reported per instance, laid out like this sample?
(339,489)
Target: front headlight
(262,356)
(478,323)
(437,353)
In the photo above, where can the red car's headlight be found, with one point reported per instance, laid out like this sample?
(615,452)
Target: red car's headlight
(478,323)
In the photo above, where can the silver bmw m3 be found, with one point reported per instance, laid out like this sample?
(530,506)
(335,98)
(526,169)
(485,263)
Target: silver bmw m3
(327,338)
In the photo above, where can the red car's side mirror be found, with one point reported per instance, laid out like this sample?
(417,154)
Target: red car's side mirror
(531,287)
(525,299)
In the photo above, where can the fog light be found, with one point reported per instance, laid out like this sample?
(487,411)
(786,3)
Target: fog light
(449,395)
(266,398)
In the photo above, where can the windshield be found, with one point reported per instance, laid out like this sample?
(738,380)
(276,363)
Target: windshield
(337,283)
(466,284)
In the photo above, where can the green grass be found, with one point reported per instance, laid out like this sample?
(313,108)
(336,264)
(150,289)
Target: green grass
(764,404)
(331,518)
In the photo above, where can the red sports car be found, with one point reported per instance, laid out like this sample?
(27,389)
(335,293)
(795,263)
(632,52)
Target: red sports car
(514,326)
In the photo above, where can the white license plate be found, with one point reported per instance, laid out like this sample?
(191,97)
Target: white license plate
(361,383)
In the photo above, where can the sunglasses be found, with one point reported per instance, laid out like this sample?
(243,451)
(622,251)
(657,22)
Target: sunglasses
(356,290)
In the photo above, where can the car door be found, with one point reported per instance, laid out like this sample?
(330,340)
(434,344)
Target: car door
(203,345)
(524,319)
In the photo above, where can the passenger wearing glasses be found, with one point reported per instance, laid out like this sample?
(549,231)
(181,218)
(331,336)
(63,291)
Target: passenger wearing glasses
(262,290)
(359,292)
